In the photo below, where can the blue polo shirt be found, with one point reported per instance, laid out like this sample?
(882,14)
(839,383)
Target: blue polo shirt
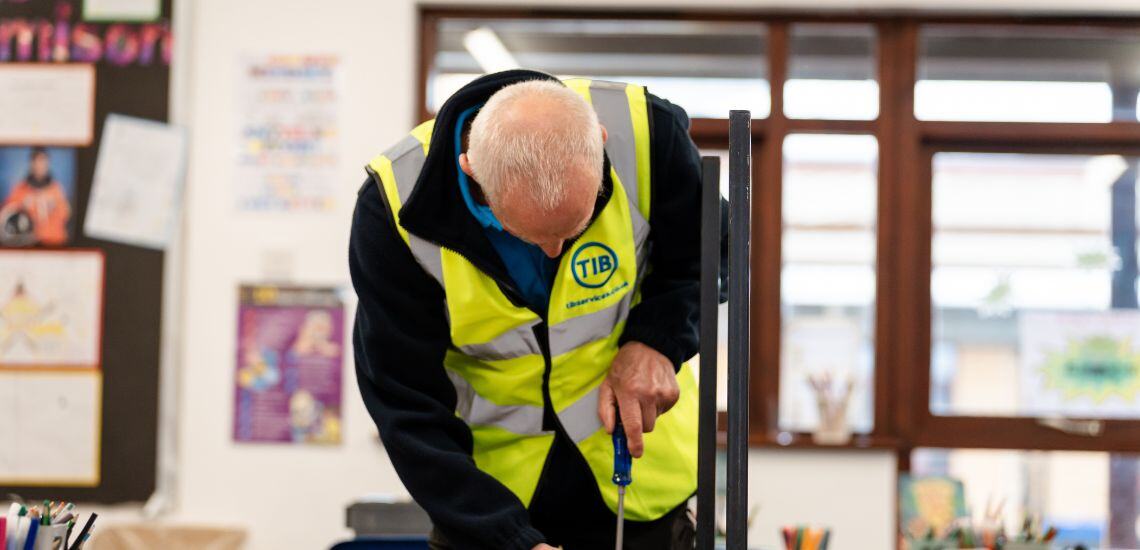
(529,267)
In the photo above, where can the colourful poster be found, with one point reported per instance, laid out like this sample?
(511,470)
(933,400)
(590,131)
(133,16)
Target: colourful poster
(1083,364)
(290,352)
(929,502)
(289,133)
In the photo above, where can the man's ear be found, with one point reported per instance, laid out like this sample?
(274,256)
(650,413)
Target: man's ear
(605,134)
(465,165)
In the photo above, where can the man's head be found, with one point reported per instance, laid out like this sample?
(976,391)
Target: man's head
(535,149)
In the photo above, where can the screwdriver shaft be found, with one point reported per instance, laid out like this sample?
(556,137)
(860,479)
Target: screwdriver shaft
(620,516)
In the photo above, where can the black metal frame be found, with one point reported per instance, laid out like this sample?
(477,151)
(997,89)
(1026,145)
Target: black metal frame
(739,303)
(710,299)
(739,281)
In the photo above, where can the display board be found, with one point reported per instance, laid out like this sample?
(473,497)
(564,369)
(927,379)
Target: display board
(65,74)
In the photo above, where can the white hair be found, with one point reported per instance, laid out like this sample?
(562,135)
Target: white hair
(509,152)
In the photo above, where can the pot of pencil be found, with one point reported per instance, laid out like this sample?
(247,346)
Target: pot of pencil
(805,538)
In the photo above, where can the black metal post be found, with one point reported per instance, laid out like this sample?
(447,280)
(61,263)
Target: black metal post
(710,298)
(739,253)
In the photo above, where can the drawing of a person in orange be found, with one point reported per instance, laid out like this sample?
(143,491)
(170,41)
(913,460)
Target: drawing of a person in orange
(42,199)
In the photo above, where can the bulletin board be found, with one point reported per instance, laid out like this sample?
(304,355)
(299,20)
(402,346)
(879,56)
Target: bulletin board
(128,55)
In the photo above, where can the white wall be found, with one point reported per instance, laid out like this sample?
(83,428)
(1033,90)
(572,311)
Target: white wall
(294,497)
(289,497)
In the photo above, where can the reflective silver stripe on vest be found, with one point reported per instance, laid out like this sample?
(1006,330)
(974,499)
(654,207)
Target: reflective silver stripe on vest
(576,332)
(516,342)
(408,159)
(428,256)
(476,410)
(580,419)
(612,105)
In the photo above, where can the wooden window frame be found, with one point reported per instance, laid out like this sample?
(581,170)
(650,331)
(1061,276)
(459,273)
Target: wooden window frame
(902,417)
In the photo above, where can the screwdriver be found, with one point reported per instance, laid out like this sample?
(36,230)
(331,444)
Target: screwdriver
(623,464)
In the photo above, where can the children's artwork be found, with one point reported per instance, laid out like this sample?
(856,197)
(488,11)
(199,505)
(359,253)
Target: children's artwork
(37,191)
(930,503)
(50,424)
(1083,364)
(290,355)
(51,308)
(121,10)
(46,102)
(137,191)
(289,133)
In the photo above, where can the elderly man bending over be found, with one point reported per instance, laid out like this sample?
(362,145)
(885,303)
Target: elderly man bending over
(527,269)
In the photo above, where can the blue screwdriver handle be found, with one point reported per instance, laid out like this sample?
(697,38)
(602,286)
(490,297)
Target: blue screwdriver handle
(623,461)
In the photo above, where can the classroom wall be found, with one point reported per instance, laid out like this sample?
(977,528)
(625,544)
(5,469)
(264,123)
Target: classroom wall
(292,497)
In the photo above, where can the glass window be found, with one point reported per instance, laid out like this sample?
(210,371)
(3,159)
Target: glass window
(831,73)
(704,66)
(1079,493)
(1034,286)
(828,277)
(1022,74)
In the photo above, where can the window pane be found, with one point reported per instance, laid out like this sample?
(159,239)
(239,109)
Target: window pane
(1020,74)
(1071,491)
(1034,294)
(706,67)
(831,73)
(828,277)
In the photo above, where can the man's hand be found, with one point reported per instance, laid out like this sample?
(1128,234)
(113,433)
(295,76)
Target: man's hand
(643,385)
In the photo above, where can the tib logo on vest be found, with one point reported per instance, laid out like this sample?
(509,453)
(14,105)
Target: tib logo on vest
(593,264)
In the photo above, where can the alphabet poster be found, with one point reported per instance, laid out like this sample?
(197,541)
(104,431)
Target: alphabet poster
(289,135)
(290,356)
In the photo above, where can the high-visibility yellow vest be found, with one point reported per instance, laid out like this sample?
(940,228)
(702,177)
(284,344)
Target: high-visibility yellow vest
(495,360)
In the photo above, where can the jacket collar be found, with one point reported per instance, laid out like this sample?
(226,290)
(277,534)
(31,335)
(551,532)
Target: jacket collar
(435,209)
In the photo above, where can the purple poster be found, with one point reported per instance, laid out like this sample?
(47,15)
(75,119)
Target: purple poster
(289,357)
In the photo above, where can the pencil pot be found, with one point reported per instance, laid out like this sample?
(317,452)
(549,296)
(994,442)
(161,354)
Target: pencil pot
(48,536)
(931,545)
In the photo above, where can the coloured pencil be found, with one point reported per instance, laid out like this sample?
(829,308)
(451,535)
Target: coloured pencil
(86,529)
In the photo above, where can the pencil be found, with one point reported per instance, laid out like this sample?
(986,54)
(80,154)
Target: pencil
(811,539)
(86,529)
(33,530)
